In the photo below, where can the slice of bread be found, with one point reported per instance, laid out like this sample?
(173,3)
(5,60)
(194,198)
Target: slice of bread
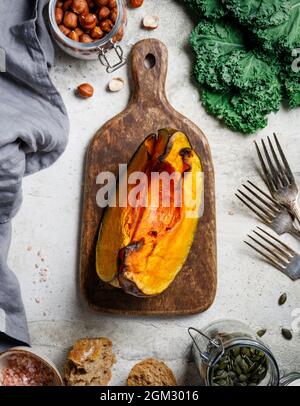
(89,362)
(151,372)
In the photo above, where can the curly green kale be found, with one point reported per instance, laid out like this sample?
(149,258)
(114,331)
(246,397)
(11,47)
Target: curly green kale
(212,43)
(242,111)
(285,36)
(259,13)
(212,9)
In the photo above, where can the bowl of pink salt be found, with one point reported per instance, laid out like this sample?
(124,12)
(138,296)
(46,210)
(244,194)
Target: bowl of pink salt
(23,366)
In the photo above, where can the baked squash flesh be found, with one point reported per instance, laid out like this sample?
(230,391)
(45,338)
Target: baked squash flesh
(143,246)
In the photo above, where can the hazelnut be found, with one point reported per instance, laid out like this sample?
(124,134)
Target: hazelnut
(59,4)
(67,4)
(78,31)
(119,35)
(88,22)
(66,31)
(101,3)
(114,15)
(112,4)
(70,19)
(74,36)
(106,25)
(104,12)
(85,90)
(90,3)
(59,15)
(80,7)
(97,33)
(150,22)
(116,84)
(85,38)
(136,3)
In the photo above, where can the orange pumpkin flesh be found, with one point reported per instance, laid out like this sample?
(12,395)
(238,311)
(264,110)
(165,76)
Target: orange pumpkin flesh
(142,249)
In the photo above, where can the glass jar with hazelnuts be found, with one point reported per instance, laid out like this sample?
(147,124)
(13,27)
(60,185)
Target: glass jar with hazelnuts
(87,29)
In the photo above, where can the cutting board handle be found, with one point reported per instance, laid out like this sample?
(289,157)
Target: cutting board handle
(149,59)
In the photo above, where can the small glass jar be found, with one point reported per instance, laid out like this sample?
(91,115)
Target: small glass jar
(292,379)
(97,49)
(217,339)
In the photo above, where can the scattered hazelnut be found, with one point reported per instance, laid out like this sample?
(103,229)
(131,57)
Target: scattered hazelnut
(101,3)
(66,31)
(136,3)
(88,22)
(59,15)
(150,22)
(80,7)
(116,84)
(104,12)
(85,90)
(70,19)
(97,33)
(114,15)
(67,4)
(74,36)
(78,31)
(85,38)
(106,25)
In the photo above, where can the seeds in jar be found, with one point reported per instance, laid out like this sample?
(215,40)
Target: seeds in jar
(95,18)
(74,36)
(240,366)
(80,7)
(59,15)
(66,31)
(88,22)
(70,20)
(85,38)
(136,3)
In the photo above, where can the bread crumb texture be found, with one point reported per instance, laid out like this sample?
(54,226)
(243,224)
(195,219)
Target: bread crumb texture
(89,362)
(151,372)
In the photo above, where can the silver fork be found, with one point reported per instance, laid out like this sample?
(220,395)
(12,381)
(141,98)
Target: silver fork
(279,177)
(280,255)
(267,209)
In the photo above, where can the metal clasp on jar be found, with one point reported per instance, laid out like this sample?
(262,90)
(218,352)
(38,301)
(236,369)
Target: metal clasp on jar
(105,61)
(214,351)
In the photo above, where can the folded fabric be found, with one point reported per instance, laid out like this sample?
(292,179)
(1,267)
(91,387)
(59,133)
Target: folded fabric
(33,133)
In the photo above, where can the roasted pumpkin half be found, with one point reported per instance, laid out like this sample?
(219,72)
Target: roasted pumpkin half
(142,247)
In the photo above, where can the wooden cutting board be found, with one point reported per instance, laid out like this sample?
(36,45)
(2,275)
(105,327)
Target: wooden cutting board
(194,289)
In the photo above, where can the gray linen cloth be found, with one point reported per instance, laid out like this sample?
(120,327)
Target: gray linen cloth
(33,133)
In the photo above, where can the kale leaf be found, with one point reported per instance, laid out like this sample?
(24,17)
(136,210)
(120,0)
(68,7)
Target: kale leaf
(212,9)
(260,13)
(285,36)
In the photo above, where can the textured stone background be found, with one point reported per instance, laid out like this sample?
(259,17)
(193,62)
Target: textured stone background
(48,237)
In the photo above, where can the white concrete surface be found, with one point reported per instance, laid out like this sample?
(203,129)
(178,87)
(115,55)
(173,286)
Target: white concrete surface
(46,230)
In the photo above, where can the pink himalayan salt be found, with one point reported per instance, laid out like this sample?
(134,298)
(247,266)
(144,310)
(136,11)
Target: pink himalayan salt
(26,370)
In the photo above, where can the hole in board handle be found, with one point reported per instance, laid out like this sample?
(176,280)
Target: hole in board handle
(149,61)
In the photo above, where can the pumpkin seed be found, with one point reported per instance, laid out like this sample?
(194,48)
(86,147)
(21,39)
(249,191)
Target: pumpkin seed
(287,334)
(240,366)
(282,299)
(261,332)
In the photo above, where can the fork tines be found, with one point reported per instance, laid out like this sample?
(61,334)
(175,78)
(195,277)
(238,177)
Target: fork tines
(277,171)
(271,248)
(259,202)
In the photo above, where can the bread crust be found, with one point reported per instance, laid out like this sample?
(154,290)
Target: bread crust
(151,372)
